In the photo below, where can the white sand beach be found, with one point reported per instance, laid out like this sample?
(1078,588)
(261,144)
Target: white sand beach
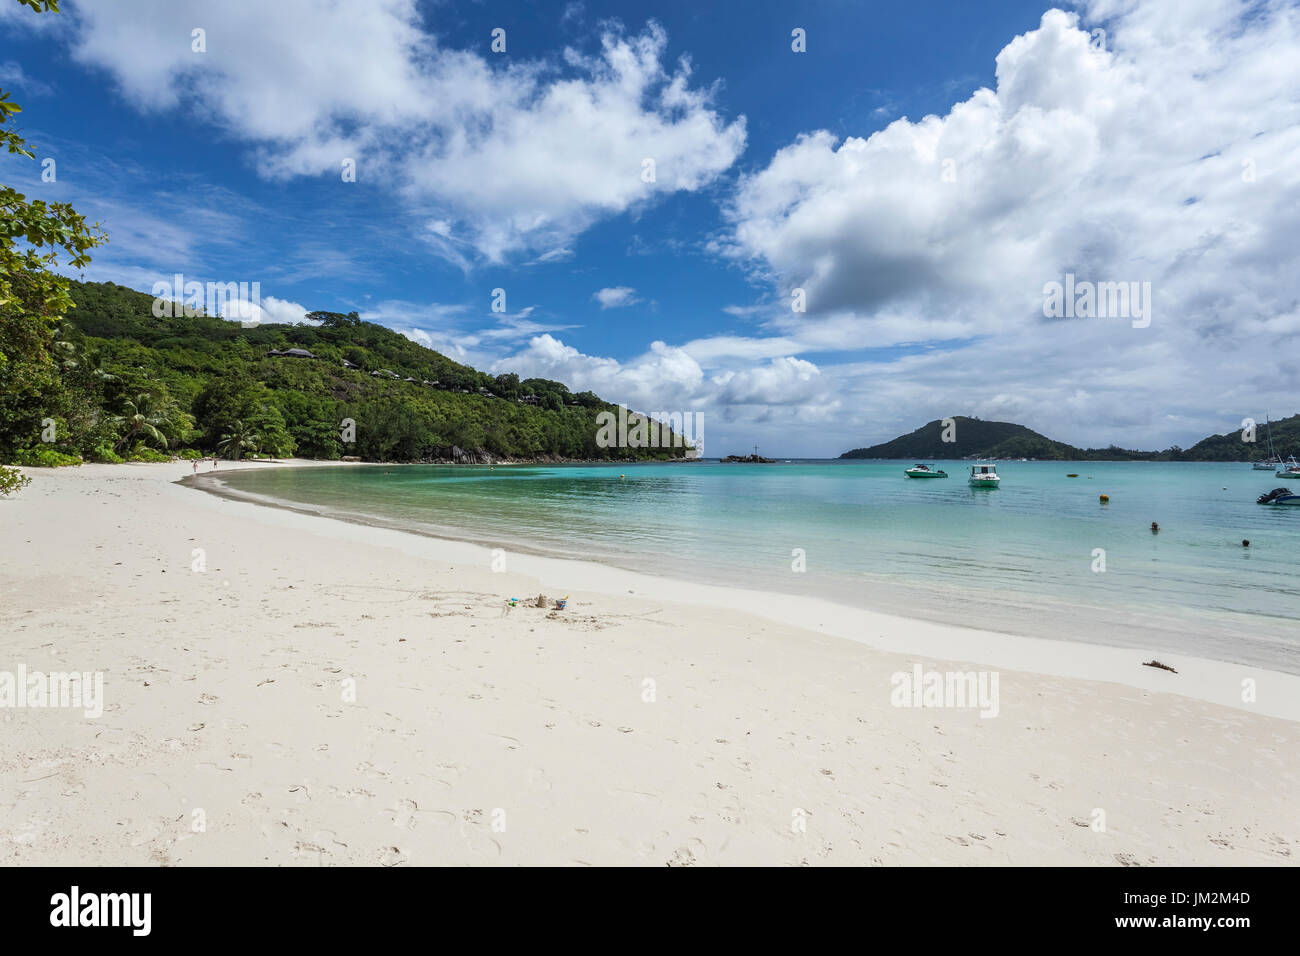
(651,722)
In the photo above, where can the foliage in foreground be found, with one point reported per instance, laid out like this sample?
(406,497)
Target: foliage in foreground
(36,239)
(11,480)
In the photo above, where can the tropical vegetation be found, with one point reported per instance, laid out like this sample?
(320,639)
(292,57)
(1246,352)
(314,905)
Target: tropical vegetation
(125,384)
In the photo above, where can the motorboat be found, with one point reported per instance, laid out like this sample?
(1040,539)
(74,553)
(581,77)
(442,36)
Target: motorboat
(925,471)
(984,476)
(1279,496)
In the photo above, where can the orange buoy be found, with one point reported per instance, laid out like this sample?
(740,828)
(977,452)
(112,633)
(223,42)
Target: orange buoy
(1105,498)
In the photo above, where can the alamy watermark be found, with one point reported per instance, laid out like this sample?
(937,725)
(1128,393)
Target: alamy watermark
(231,300)
(64,689)
(1098,300)
(656,430)
(127,910)
(923,688)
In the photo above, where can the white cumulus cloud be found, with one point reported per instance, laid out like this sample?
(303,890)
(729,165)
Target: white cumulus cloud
(499,157)
(1136,141)
(615,297)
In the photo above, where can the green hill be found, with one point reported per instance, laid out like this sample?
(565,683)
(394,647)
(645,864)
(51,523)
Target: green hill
(1231,447)
(980,439)
(973,439)
(130,383)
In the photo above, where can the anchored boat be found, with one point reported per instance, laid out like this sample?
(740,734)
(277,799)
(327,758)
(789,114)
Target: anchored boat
(1289,469)
(1279,496)
(1274,460)
(984,476)
(924,471)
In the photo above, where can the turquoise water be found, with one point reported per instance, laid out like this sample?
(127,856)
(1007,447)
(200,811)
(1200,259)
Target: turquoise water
(1018,558)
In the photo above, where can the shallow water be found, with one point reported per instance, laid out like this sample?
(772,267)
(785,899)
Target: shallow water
(1018,558)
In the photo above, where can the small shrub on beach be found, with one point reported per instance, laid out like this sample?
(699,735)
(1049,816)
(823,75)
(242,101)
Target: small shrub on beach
(190,454)
(44,457)
(146,454)
(11,480)
(104,454)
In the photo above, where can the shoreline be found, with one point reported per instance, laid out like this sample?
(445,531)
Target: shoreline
(1198,678)
(284,690)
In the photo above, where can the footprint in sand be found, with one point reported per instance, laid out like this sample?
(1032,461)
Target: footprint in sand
(391,856)
(355,795)
(482,844)
(303,849)
(684,855)
(439,818)
(403,815)
(328,838)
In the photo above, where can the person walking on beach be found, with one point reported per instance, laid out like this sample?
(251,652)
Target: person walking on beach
(196,466)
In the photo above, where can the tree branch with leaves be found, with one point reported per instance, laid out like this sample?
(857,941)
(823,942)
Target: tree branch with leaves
(36,238)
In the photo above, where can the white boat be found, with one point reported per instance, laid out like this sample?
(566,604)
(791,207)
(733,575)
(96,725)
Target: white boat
(925,471)
(1274,460)
(984,476)
(1289,469)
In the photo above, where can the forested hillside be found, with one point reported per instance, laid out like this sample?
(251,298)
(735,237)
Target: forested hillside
(1231,447)
(973,438)
(128,384)
(980,439)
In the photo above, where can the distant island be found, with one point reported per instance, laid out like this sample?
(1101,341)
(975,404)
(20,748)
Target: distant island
(974,438)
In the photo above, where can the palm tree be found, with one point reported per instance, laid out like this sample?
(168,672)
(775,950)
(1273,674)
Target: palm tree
(239,439)
(144,420)
(72,356)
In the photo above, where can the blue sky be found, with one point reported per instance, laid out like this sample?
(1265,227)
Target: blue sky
(774,170)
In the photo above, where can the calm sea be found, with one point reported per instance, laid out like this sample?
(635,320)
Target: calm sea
(1024,558)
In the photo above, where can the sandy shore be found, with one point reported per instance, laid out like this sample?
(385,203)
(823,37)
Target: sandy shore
(328,693)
